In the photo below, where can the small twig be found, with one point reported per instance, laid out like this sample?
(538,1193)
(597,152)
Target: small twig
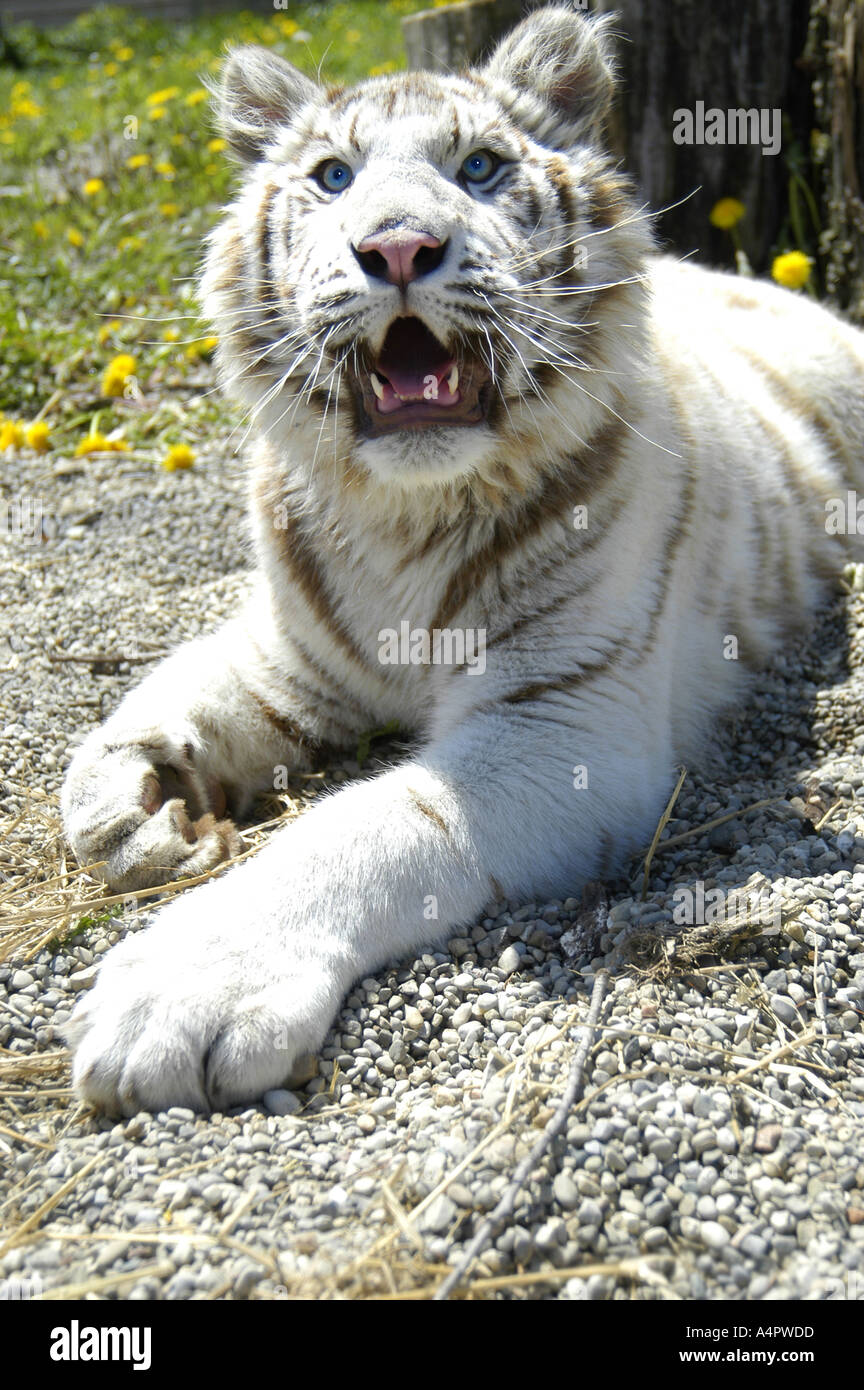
(818,992)
(661,826)
(111,658)
(162,1270)
(801,1041)
(628,1268)
(25,1139)
(572,1091)
(675,840)
(827,816)
(35,1217)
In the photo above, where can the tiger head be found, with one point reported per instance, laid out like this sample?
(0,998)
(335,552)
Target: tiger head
(422,271)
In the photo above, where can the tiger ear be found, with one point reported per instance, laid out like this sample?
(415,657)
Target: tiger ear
(564,58)
(258,92)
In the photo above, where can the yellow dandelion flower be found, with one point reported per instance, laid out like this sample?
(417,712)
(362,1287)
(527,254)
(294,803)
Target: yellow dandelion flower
(96,443)
(111,69)
(178,456)
(201,348)
(169,209)
(212,168)
(381,68)
(217,145)
(791,269)
(116,374)
(124,53)
(40,229)
(92,187)
(726,214)
(7,137)
(137,161)
(21,88)
(157,113)
(165,168)
(106,329)
(11,435)
(178,138)
(170,335)
(164,94)
(198,95)
(288,26)
(36,436)
(74,237)
(23,106)
(129,243)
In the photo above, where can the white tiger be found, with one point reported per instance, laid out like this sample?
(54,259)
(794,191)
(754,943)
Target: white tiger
(483,403)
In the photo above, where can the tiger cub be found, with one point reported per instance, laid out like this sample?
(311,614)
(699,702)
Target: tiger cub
(535,492)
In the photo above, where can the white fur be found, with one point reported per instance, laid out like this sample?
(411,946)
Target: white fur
(696,537)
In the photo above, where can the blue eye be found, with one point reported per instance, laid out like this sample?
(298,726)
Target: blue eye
(334,175)
(480,166)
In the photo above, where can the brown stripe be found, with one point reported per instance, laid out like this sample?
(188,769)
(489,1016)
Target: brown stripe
(262,244)
(348,698)
(299,559)
(286,726)
(797,403)
(511,532)
(533,617)
(678,532)
(312,695)
(455,131)
(535,690)
(428,811)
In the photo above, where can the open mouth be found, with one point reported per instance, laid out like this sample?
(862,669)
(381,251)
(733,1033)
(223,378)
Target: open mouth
(415,382)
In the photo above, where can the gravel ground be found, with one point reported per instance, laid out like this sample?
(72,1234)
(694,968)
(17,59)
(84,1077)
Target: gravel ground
(716,1154)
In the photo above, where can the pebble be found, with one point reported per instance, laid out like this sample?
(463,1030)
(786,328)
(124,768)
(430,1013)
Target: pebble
(429,1056)
(282,1102)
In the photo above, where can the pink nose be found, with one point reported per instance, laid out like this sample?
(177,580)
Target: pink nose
(400,256)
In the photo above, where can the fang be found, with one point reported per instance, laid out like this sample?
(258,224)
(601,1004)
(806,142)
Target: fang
(376,386)
(453,380)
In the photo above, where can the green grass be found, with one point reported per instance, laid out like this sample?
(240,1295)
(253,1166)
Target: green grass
(85,276)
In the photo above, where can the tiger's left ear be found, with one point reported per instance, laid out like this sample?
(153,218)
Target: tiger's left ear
(258,92)
(560,64)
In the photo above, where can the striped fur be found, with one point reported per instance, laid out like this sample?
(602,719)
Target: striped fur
(701,423)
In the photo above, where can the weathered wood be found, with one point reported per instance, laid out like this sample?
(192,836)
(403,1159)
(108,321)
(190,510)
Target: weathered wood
(741,55)
(736,56)
(447,39)
(835,55)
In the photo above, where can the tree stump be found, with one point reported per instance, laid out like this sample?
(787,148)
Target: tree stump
(450,38)
(732,57)
(736,56)
(835,55)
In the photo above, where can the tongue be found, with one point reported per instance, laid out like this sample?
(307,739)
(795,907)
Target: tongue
(415,363)
(427,384)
